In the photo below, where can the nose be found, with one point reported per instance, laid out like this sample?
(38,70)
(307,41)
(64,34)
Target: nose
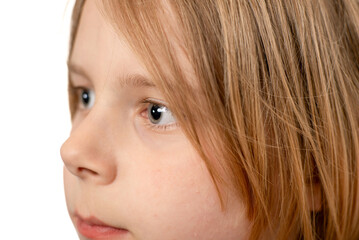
(87,153)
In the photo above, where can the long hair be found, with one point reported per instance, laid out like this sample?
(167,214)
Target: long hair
(274,111)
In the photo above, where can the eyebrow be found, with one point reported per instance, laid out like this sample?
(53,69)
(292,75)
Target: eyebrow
(129,81)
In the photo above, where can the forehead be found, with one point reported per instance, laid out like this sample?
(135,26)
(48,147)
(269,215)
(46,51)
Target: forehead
(98,42)
(98,48)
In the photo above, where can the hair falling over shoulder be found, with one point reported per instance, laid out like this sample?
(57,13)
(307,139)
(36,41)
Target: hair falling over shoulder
(276,102)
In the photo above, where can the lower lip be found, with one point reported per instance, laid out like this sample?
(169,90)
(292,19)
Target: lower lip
(98,232)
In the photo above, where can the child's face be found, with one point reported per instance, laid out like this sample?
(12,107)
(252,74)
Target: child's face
(127,163)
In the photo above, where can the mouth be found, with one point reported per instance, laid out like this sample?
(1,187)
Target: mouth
(94,229)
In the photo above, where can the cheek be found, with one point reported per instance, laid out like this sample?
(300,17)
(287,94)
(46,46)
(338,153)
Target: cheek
(171,178)
(184,182)
(174,197)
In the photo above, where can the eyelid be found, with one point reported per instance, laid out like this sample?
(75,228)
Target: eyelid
(77,89)
(155,101)
(163,128)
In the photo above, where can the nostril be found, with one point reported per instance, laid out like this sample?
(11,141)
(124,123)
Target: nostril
(86,171)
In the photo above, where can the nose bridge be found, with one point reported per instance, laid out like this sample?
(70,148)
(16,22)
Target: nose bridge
(88,153)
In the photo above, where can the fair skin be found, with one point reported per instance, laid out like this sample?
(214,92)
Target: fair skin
(122,168)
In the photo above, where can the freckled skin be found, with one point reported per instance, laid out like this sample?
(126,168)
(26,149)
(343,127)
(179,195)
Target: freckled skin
(149,182)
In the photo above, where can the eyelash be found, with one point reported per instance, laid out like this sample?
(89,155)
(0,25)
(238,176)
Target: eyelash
(162,128)
(146,102)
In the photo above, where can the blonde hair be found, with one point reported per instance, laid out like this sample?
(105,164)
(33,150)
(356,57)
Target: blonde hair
(275,110)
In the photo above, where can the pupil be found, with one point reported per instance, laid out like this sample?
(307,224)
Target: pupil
(155,113)
(85,97)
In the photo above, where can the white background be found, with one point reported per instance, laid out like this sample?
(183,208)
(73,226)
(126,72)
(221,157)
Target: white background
(34,119)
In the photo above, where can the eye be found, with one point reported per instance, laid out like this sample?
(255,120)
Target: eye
(86,98)
(159,115)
